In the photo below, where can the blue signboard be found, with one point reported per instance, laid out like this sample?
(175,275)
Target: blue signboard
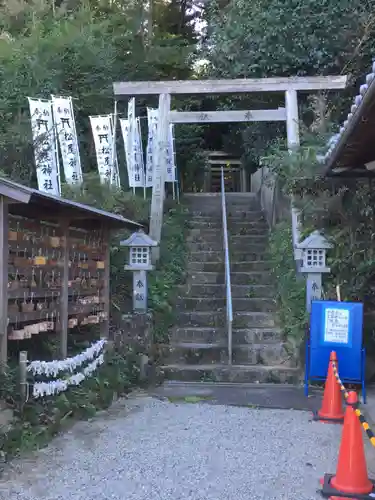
(336,326)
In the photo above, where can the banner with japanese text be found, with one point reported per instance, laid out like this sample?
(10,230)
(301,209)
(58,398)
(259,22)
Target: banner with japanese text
(152,120)
(45,146)
(67,135)
(102,130)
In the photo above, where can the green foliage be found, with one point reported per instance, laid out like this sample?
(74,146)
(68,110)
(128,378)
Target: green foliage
(78,50)
(269,38)
(290,291)
(170,272)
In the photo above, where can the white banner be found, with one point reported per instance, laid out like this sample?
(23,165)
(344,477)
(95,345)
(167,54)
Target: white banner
(63,116)
(102,130)
(131,134)
(152,120)
(171,156)
(45,146)
(139,163)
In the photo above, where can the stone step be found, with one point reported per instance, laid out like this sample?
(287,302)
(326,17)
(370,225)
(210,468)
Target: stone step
(212,234)
(218,319)
(239,278)
(236,267)
(253,319)
(216,223)
(257,335)
(235,255)
(219,334)
(219,304)
(219,291)
(250,265)
(214,256)
(207,246)
(198,334)
(248,239)
(193,353)
(234,373)
(235,247)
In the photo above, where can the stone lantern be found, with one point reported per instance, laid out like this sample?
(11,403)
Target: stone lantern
(140,245)
(314,249)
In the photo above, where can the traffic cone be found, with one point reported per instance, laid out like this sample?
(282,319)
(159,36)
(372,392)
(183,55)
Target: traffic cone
(331,410)
(351,474)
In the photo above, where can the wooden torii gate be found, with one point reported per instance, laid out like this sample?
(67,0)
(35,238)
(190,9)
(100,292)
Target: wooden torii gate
(288,85)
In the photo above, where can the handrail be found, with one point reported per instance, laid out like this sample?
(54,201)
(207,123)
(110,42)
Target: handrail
(228,286)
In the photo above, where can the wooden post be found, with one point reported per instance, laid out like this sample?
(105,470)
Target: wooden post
(4,257)
(23,376)
(158,189)
(104,325)
(292,132)
(64,299)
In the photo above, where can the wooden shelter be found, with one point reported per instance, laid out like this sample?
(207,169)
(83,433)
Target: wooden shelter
(351,151)
(54,265)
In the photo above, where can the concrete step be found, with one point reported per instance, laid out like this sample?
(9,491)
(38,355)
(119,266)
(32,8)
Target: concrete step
(253,319)
(193,353)
(248,240)
(219,304)
(236,267)
(212,234)
(198,335)
(250,265)
(214,256)
(198,223)
(235,248)
(257,335)
(207,246)
(219,334)
(244,254)
(239,278)
(234,373)
(218,319)
(219,291)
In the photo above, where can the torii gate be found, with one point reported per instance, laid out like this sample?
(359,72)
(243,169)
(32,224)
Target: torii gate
(289,85)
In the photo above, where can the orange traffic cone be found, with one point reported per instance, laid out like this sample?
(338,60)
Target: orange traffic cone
(351,475)
(331,410)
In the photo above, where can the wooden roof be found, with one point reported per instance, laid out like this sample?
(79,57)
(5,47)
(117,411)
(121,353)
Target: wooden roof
(352,148)
(30,202)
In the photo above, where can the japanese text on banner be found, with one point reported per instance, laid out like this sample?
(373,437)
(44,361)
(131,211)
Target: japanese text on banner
(66,132)
(45,146)
(103,139)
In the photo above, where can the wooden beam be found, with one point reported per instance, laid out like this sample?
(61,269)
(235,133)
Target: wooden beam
(104,325)
(4,257)
(64,298)
(257,115)
(244,85)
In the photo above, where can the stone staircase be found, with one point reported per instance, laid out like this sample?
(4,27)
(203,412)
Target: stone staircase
(198,345)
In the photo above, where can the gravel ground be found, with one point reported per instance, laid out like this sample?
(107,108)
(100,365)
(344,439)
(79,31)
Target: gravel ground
(144,448)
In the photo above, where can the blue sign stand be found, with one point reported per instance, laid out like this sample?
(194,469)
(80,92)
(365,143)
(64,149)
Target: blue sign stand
(336,326)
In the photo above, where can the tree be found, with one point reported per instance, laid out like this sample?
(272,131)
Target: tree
(266,38)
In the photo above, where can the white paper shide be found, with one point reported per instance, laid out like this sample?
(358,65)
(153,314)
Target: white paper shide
(45,146)
(102,130)
(67,135)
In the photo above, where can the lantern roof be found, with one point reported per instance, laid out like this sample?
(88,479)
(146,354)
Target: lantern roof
(139,239)
(315,241)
